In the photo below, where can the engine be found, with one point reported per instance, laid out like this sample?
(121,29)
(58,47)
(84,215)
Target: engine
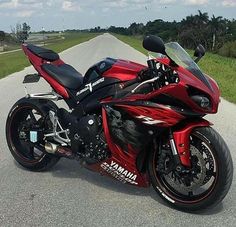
(86,136)
(125,130)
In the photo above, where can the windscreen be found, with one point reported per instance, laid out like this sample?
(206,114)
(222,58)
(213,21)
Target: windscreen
(182,58)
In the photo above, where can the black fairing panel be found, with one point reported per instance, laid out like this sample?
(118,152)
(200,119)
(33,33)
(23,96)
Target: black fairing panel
(98,69)
(101,89)
(92,102)
(103,83)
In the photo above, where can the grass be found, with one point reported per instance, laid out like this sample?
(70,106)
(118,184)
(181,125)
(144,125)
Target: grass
(16,61)
(11,47)
(222,69)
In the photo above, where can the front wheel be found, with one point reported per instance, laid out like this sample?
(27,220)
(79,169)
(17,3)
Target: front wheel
(205,184)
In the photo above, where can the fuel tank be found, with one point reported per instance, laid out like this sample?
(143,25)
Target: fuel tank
(103,80)
(122,70)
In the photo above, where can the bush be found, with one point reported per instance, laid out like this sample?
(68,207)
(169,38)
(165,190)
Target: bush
(228,49)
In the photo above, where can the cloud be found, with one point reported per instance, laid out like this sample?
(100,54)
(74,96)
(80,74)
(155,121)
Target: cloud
(71,6)
(20,4)
(167,1)
(195,2)
(5,14)
(229,3)
(25,13)
(8,4)
(126,4)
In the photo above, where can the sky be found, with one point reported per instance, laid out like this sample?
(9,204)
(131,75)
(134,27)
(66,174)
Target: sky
(82,14)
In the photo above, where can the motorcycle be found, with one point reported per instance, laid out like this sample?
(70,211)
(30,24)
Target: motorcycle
(139,124)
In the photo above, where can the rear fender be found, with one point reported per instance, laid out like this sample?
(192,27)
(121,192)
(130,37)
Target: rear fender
(182,140)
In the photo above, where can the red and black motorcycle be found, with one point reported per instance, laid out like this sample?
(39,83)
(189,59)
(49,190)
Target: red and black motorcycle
(139,124)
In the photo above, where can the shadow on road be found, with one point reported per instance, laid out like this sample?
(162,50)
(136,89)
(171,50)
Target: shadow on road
(72,169)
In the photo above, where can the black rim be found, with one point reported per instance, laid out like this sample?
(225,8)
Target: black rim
(23,120)
(199,182)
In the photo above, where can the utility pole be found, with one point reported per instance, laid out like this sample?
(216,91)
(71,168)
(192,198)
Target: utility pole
(43,29)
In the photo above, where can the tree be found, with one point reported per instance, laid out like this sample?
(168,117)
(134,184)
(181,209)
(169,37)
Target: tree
(202,18)
(193,30)
(231,29)
(215,27)
(135,28)
(196,29)
(22,32)
(2,36)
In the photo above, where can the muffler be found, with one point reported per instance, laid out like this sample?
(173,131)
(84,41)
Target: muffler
(52,148)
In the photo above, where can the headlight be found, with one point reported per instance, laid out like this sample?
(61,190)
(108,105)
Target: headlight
(202,101)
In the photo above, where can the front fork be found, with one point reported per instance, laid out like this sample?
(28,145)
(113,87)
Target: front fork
(180,142)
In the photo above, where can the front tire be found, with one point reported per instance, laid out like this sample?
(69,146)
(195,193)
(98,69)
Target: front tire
(27,113)
(216,162)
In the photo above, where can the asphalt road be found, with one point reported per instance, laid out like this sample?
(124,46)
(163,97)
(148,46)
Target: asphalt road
(70,195)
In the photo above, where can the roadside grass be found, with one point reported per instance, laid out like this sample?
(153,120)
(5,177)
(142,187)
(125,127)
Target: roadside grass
(11,47)
(16,61)
(222,69)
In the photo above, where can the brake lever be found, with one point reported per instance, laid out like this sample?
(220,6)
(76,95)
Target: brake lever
(145,82)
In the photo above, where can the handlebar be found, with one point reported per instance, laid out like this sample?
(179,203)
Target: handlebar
(145,74)
(152,74)
(131,82)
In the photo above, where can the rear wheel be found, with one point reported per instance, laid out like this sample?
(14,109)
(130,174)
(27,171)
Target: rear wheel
(202,186)
(27,116)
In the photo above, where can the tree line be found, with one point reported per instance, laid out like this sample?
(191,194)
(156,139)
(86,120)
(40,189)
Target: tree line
(19,33)
(217,34)
(212,32)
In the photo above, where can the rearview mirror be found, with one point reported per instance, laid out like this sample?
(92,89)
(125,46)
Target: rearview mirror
(154,43)
(199,52)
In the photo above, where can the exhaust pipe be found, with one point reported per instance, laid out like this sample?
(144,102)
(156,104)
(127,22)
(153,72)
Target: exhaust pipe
(52,148)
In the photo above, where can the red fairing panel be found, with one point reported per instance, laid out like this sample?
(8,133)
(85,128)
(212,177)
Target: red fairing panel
(160,115)
(124,70)
(37,62)
(121,165)
(180,90)
(186,79)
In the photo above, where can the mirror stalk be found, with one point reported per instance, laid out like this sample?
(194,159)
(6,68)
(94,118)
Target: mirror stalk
(198,59)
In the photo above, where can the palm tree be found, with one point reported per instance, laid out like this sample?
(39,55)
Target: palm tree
(217,26)
(194,30)
(202,18)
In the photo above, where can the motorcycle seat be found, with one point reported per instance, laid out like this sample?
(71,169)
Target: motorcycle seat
(44,53)
(65,74)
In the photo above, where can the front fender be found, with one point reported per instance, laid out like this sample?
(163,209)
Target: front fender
(182,139)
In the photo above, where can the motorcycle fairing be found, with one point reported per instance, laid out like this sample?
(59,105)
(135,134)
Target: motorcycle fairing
(181,90)
(121,165)
(122,161)
(152,113)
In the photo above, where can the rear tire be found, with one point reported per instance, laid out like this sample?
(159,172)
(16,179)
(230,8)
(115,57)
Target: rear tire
(220,183)
(23,152)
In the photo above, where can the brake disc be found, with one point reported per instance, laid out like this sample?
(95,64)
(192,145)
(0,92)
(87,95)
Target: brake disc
(197,180)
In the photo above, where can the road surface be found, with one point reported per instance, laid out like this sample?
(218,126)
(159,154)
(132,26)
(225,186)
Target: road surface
(70,195)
